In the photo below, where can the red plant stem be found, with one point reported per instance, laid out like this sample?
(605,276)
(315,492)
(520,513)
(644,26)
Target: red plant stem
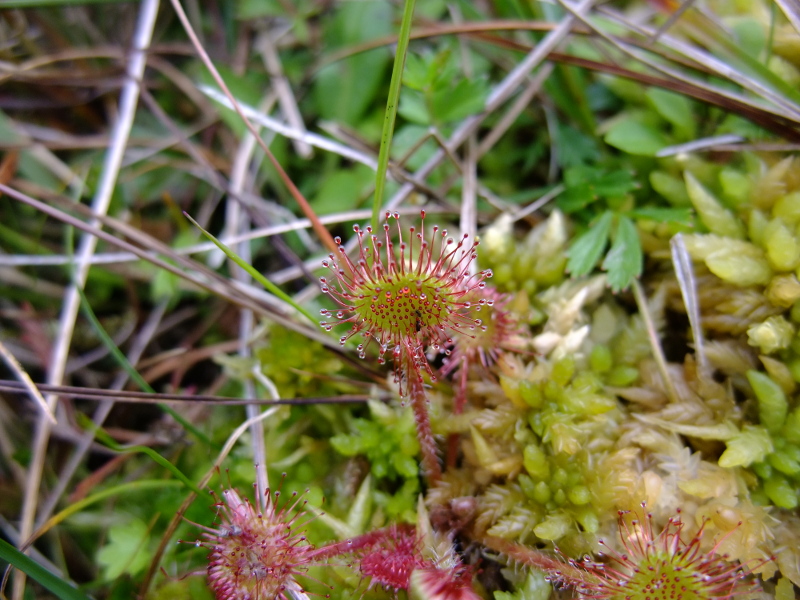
(364,541)
(459,401)
(565,572)
(419,404)
(452,450)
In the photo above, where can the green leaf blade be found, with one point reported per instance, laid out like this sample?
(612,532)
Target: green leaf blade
(268,285)
(38,573)
(681,216)
(587,249)
(390,114)
(636,138)
(675,109)
(624,260)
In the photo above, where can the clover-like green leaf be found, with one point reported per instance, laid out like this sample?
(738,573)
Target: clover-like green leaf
(126,551)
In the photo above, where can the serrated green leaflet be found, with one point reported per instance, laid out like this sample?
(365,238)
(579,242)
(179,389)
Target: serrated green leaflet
(586,185)
(587,249)
(624,260)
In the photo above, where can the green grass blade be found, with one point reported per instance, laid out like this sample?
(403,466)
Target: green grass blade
(157,458)
(391,110)
(38,573)
(46,3)
(741,57)
(132,486)
(131,370)
(268,285)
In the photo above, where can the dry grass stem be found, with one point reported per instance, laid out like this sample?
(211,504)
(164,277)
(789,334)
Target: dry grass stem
(119,137)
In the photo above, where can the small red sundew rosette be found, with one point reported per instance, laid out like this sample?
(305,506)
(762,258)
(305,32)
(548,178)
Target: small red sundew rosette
(394,558)
(256,553)
(663,566)
(407,297)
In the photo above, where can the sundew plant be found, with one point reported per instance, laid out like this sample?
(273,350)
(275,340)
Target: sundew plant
(383,299)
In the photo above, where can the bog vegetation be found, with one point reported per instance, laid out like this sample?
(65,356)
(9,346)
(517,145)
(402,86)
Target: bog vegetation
(385,299)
